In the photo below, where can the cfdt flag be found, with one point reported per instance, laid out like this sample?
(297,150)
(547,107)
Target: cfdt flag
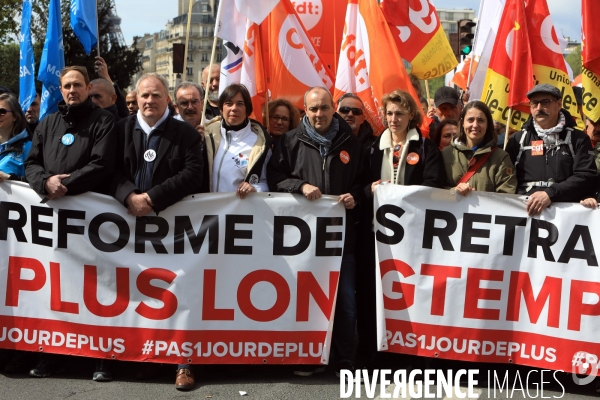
(590,57)
(509,75)
(420,37)
(27,63)
(549,65)
(52,62)
(294,65)
(84,22)
(370,64)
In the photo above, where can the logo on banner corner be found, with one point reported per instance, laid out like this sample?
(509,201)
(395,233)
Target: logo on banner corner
(309,11)
(584,363)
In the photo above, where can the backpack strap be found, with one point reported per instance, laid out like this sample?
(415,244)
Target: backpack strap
(522,148)
(475,167)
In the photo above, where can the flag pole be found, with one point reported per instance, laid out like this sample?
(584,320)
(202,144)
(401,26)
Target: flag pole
(97,32)
(334,42)
(187,37)
(428,95)
(507,128)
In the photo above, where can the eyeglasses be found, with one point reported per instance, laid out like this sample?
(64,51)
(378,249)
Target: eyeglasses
(345,110)
(544,103)
(276,118)
(3,112)
(396,155)
(186,104)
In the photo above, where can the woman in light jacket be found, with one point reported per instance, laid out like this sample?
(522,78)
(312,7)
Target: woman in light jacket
(473,161)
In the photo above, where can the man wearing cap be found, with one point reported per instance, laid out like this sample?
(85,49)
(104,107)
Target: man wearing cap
(447,106)
(352,110)
(554,160)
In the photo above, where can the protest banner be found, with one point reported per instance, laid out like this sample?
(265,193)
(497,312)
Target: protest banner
(474,278)
(212,279)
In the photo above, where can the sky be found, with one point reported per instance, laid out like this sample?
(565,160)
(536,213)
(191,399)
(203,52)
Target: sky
(149,16)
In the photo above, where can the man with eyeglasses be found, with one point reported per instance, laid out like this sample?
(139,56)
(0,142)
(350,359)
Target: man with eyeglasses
(352,110)
(553,159)
(189,98)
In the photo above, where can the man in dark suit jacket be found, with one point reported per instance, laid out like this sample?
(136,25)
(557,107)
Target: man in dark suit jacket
(159,159)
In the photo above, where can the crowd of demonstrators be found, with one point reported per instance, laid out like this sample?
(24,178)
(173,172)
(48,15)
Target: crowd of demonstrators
(160,152)
(473,160)
(445,132)
(322,156)
(212,91)
(283,117)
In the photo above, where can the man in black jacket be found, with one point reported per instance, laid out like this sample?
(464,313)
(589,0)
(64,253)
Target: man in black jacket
(323,156)
(553,159)
(72,152)
(73,149)
(159,162)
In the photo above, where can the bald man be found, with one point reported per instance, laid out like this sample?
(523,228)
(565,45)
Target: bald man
(104,95)
(321,156)
(212,108)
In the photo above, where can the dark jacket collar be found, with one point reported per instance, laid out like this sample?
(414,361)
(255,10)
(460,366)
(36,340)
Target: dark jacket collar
(344,129)
(75,113)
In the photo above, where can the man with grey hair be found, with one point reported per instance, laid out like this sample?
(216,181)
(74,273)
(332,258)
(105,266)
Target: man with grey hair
(189,98)
(321,156)
(212,108)
(159,162)
(104,95)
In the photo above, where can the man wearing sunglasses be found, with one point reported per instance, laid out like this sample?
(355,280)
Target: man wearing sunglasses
(553,159)
(352,110)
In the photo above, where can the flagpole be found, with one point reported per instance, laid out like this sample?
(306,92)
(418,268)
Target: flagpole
(507,128)
(97,32)
(187,37)
(334,42)
(428,95)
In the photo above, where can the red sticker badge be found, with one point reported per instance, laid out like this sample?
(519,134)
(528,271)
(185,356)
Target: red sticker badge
(344,156)
(412,158)
(537,148)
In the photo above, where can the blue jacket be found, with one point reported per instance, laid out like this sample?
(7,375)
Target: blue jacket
(13,154)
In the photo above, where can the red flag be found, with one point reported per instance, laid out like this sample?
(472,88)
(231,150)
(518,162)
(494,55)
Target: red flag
(590,58)
(509,76)
(420,37)
(370,65)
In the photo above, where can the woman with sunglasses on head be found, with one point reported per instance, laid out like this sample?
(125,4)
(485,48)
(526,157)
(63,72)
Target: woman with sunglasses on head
(283,117)
(473,161)
(15,142)
(400,156)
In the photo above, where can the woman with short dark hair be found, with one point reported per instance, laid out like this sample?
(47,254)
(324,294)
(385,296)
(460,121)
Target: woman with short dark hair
(445,132)
(473,161)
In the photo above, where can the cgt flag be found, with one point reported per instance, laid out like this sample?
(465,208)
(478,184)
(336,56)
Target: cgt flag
(420,37)
(369,65)
(84,22)
(549,65)
(52,62)
(509,76)
(590,58)
(27,63)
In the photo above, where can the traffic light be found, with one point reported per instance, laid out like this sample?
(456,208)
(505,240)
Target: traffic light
(465,36)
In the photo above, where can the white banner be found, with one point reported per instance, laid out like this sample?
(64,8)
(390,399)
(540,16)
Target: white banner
(474,278)
(212,279)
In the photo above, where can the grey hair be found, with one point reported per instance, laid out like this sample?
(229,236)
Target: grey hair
(154,75)
(350,96)
(188,84)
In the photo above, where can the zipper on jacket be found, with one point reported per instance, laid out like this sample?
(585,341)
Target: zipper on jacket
(227,136)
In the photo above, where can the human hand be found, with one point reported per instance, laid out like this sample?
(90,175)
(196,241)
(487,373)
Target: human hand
(310,192)
(244,189)
(102,69)
(589,203)
(537,202)
(138,204)
(348,200)
(463,189)
(54,187)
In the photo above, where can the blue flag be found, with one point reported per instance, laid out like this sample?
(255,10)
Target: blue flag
(83,22)
(27,63)
(53,61)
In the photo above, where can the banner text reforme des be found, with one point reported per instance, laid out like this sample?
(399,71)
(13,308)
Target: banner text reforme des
(212,279)
(474,278)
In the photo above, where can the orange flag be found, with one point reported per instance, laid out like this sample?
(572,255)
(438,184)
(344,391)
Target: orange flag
(509,76)
(590,57)
(370,65)
(293,64)
(548,60)
(461,77)
(420,37)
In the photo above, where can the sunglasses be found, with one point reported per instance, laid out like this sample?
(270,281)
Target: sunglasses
(3,112)
(346,110)
(396,155)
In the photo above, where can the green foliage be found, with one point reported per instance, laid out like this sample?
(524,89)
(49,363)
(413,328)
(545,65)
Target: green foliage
(9,67)
(434,85)
(574,60)
(10,11)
